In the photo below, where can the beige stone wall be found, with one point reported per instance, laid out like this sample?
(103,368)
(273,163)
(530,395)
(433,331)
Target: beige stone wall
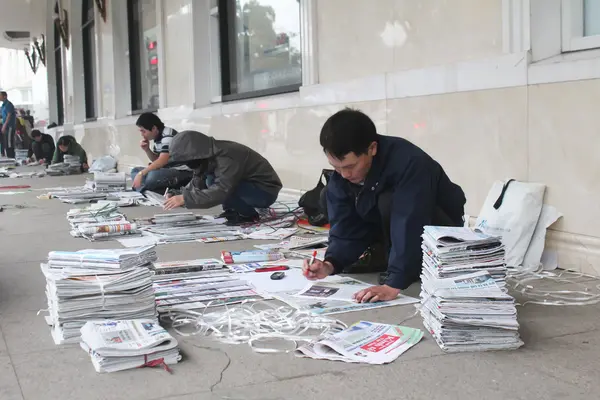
(448,75)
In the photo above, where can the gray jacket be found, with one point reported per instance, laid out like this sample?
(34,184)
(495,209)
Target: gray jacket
(229,162)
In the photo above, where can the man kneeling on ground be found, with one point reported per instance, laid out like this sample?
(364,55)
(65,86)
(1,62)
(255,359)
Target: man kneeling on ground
(68,145)
(383,189)
(42,148)
(226,173)
(156,177)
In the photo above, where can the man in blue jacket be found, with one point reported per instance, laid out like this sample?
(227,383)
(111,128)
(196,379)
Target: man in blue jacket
(384,189)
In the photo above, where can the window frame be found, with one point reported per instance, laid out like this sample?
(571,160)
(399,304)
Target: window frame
(572,26)
(88,31)
(58,74)
(135,58)
(226,14)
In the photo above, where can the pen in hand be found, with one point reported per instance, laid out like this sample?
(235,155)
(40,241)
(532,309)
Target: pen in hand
(306,271)
(313,258)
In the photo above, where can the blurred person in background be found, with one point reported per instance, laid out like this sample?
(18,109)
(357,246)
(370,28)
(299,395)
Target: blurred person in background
(42,148)
(68,145)
(9,125)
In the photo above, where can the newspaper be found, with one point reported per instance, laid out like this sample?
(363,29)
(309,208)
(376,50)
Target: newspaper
(364,342)
(126,344)
(329,306)
(343,291)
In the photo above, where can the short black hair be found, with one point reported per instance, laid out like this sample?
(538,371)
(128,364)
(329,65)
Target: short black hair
(348,131)
(150,120)
(36,133)
(3,93)
(65,140)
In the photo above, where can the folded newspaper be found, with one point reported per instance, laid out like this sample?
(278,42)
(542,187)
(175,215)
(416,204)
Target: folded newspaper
(364,342)
(127,344)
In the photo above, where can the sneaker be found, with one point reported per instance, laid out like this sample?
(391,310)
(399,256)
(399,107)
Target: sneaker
(374,259)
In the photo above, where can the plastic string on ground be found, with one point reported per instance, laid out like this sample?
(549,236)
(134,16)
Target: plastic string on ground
(527,281)
(245,323)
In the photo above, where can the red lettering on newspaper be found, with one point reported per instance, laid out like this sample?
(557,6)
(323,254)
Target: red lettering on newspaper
(381,343)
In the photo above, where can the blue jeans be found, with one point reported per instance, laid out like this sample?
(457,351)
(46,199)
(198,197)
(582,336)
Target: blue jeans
(246,198)
(161,179)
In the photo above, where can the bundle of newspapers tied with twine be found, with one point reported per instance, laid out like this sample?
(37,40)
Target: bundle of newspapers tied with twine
(95,213)
(100,221)
(197,284)
(70,165)
(464,303)
(97,284)
(187,227)
(110,181)
(126,344)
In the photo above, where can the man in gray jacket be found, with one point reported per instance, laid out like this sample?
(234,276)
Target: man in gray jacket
(226,173)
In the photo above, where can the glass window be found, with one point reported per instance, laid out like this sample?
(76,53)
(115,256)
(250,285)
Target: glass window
(89,58)
(143,55)
(260,47)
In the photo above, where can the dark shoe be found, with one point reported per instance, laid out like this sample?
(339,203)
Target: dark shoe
(227,214)
(374,259)
(238,219)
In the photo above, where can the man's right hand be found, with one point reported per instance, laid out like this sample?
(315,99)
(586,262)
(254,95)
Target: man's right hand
(144,144)
(317,270)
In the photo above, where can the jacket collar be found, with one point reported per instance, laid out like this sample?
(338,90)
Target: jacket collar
(377,166)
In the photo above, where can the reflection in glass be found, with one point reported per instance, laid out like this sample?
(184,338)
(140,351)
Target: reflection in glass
(267,53)
(144,43)
(591,20)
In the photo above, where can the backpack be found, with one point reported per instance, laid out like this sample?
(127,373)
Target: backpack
(314,202)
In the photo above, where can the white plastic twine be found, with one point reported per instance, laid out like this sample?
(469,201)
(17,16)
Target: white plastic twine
(245,324)
(524,281)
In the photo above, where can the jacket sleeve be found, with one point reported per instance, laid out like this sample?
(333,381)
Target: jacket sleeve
(349,235)
(52,148)
(228,173)
(411,209)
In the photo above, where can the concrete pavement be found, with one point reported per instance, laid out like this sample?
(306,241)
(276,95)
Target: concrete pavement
(559,360)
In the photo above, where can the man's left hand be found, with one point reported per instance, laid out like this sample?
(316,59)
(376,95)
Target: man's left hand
(4,129)
(174,202)
(376,293)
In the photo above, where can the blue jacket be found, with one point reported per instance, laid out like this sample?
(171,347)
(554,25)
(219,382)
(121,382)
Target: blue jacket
(418,186)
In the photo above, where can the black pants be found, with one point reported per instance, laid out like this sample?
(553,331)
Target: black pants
(8,142)
(384,204)
(42,151)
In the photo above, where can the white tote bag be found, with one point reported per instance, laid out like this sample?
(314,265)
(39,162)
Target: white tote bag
(512,210)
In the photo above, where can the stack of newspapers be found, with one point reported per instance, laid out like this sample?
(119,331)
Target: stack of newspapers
(70,165)
(455,251)
(110,181)
(463,303)
(197,284)
(90,285)
(126,344)
(95,213)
